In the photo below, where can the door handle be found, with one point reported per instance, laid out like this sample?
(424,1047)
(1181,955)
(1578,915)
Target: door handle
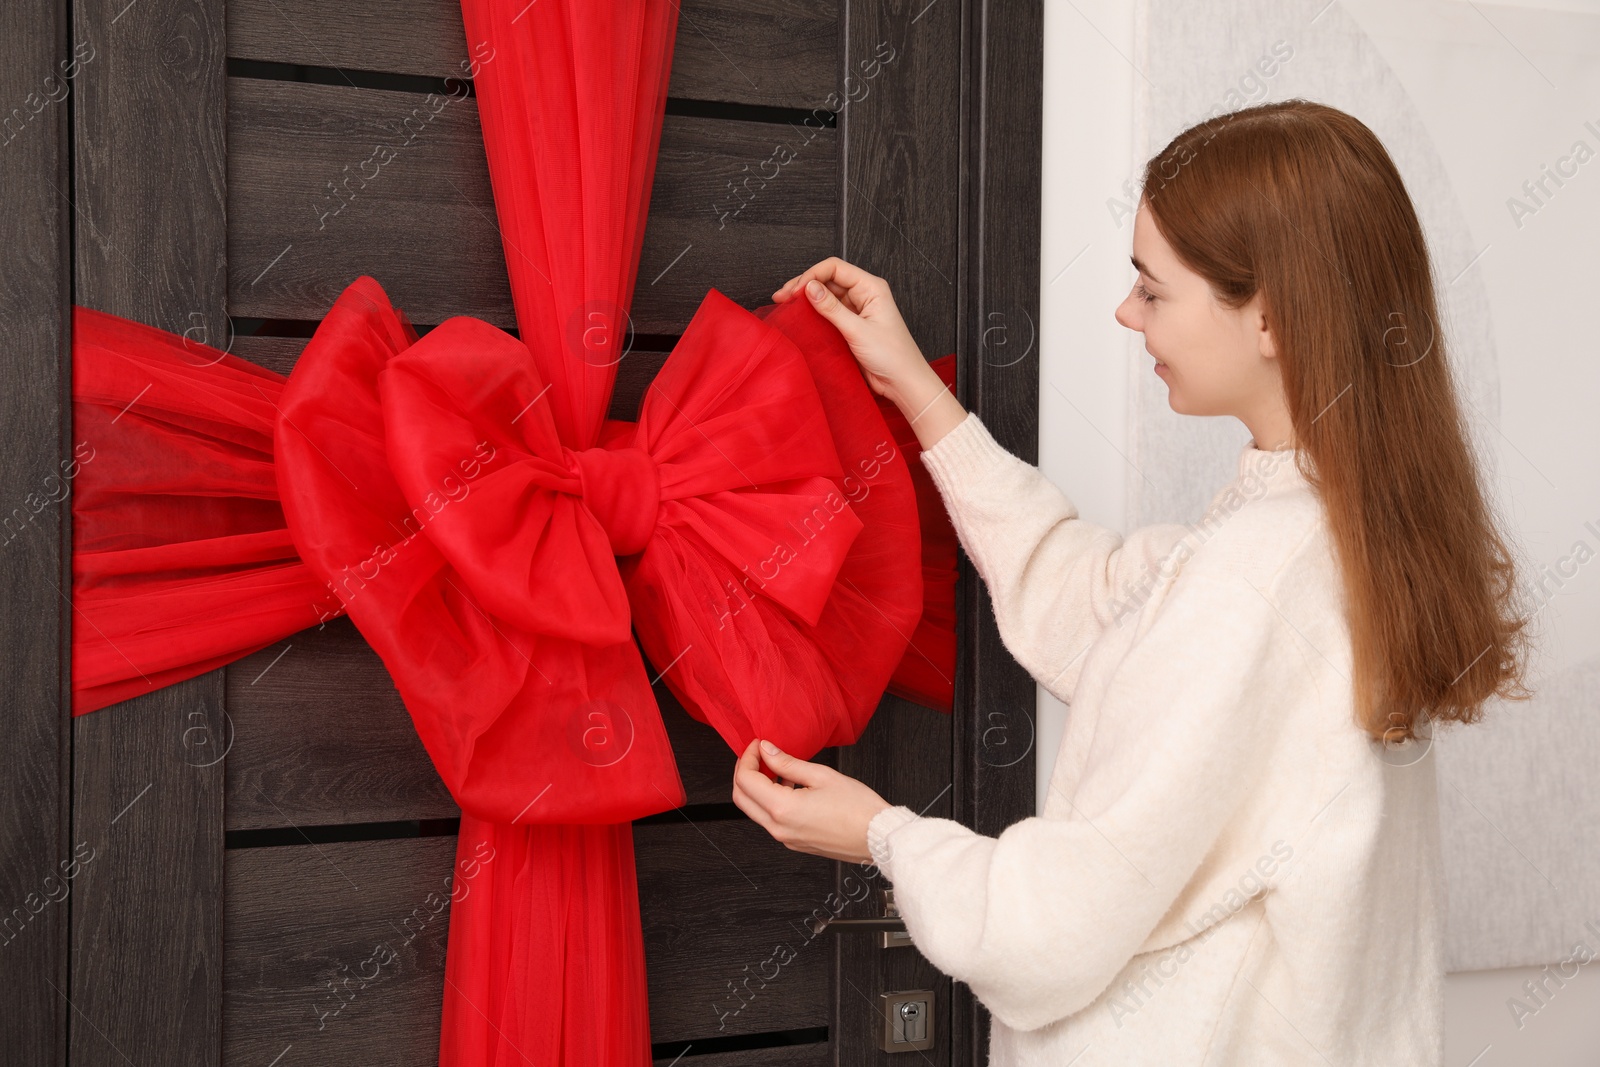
(819,925)
(889,926)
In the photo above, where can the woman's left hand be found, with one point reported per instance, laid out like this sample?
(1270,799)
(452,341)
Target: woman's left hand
(822,812)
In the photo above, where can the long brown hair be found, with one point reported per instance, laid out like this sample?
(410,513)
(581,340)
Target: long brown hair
(1301,203)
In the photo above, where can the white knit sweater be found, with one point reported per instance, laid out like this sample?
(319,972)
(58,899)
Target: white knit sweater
(1228,871)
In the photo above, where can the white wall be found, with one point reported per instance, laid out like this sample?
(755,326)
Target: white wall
(1472,100)
(1086,356)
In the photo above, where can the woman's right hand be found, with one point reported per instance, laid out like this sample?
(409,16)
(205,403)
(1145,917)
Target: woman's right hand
(864,311)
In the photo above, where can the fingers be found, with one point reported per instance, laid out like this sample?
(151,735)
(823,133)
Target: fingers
(796,770)
(822,271)
(797,285)
(748,781)
(788,774)
(838,311)
(843,279)
(748,773)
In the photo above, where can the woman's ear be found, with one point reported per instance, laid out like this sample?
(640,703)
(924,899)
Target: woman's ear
(1266,341)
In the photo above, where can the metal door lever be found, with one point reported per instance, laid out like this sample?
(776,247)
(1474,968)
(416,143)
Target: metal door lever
(890,927)
(819,925)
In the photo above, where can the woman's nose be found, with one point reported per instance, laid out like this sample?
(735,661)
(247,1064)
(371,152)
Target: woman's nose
(1125,313)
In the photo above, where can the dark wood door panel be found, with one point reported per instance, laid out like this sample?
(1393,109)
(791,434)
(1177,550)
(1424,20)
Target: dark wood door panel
(776,53)
(727,948)
(326,183)
(336,951)
(35,761)
(318,735)
(148,243)
(395,185)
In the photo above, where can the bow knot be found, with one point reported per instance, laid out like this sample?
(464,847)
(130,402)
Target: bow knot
(622,490)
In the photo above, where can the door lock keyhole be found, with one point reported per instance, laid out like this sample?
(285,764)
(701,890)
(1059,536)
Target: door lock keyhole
(907,1020)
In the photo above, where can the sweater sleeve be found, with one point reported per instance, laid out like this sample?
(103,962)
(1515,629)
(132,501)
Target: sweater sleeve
(1039,920)
(1056,581)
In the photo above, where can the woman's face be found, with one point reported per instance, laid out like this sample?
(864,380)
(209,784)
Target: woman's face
(1214,361)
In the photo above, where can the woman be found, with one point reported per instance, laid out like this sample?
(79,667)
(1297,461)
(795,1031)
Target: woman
(1238,859)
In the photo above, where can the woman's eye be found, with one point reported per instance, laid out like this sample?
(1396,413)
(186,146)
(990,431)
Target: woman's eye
(1142,293)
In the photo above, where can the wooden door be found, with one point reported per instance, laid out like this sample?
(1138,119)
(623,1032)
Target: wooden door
(269,850)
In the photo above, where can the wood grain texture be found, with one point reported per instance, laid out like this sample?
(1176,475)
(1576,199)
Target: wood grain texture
(36,72)
(320,736)
(995,753)
(771,52)
(902,183)
(723,914)
(337,951)
(901,161)
(274,353)
(150,240)
(727,948)
(395,185)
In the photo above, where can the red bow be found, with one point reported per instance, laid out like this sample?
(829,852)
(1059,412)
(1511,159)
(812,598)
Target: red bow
(427,483)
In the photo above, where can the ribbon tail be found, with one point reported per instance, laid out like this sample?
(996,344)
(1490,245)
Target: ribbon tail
(546,956)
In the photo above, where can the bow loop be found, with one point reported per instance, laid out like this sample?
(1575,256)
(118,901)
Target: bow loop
(766,612)
(516,525)
(747,461)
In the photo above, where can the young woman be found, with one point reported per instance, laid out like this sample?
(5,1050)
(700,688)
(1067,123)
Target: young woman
(1238,859)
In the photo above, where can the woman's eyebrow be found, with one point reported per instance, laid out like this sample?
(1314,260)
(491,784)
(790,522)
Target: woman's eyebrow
(1144,270)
